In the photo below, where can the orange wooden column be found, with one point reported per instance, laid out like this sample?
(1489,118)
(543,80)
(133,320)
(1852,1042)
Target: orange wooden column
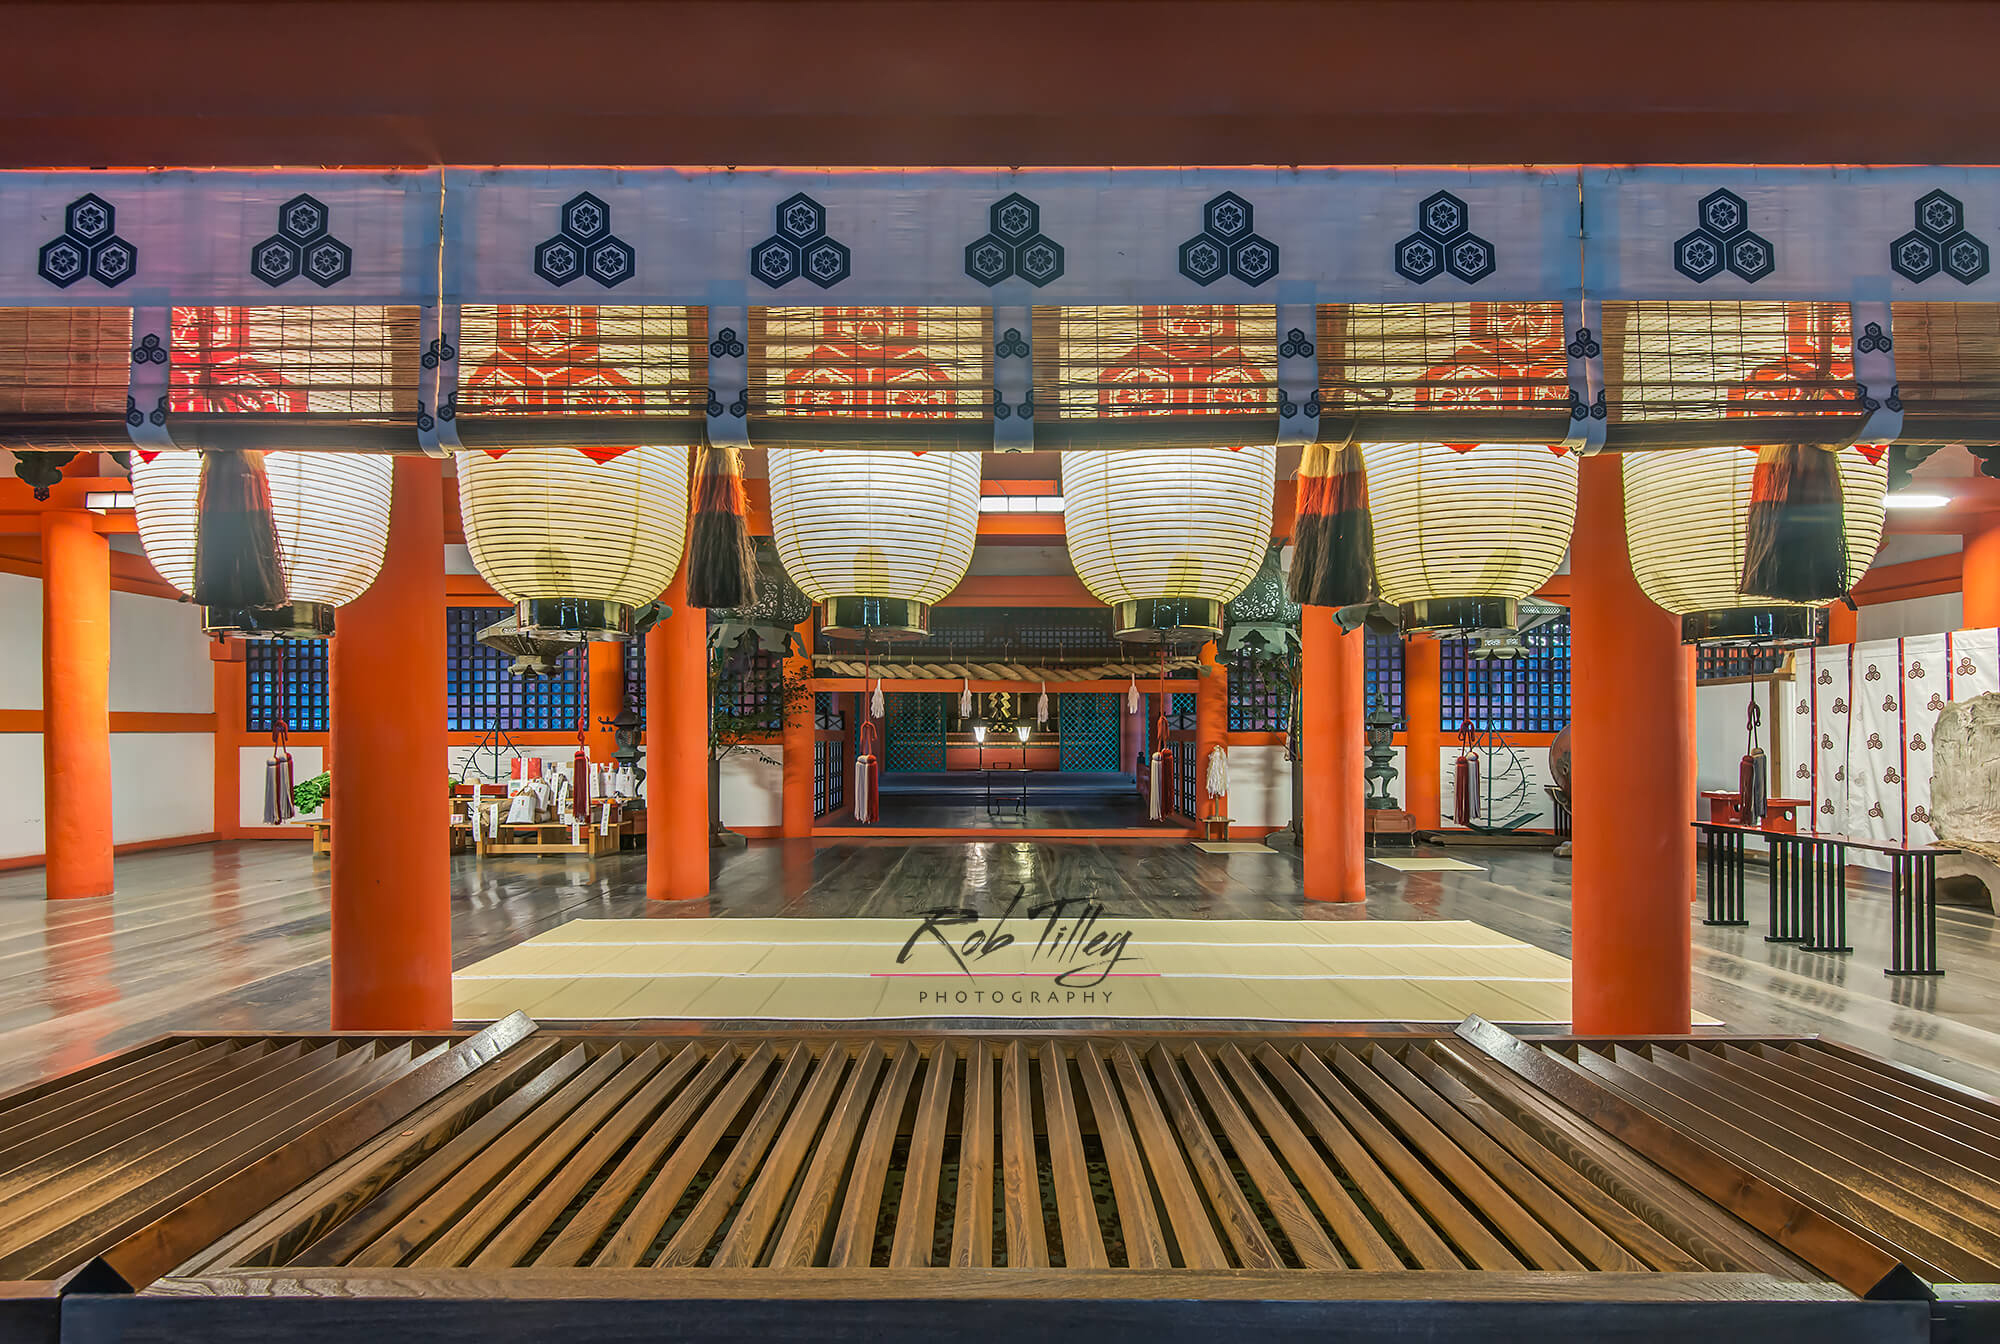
(1842,625)
(1332,681)
(677,750)
(1423,738)
(607,695)
(76,705)
(1632,695)
(1211,727)
(391,851)
(796,805)
(1981,582)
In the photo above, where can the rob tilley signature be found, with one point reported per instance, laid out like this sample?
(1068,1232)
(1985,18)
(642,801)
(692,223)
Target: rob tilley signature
(1069,937)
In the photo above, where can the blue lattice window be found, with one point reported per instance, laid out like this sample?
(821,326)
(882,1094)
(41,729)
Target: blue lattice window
(1260,696)
(1385,673)
(827,712)
(748,685)
(829,776)
(480,693)
(1180,710)
(1184,780)
(303,684)
(1524,694)
(635,678)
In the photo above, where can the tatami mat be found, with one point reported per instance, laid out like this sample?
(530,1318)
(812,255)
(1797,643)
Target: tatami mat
(1429,865)
(846,970)
(1232,847)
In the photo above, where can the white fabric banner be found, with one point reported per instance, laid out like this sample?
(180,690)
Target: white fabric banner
(227,238)
(1791,233)
(1832,721)
(1875,772)
(979,237)
(1926,689)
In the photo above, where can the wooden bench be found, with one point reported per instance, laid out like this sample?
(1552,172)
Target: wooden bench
(1808,891)
(322,835)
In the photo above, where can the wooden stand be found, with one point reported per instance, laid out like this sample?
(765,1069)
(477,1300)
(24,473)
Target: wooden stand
(1389,821)
(552,837)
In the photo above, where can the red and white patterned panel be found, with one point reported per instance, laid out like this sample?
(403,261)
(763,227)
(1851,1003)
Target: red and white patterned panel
(1926,689)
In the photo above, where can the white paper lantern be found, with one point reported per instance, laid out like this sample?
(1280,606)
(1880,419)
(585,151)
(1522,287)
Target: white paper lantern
(1166,536)
(1685,515)
(1464,532)
(332,517)
(877,535)
(575,538)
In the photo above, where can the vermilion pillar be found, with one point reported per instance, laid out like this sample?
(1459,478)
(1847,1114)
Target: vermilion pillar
(1981,582)
(76,705)
(1632,696)
(796,814)
(607,695)
(1211,727)
(1332,677)
(677,750)
(1423,738)
(391,851)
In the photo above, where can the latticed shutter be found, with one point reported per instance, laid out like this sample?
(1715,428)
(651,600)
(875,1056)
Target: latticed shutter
(1165,376)
(871,377)
(1443,372)
(551,374)
(294,377)
(1948,370)
(63,376)
(1679,374)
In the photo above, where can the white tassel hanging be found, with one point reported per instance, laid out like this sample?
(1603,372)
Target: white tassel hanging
(1217,782)
(965,700)
(1042,708)
(875,705)
(1156,792)
(1132,697)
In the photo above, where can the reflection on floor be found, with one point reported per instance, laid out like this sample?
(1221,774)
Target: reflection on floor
(234,937)
(1062,963)
(1011,799)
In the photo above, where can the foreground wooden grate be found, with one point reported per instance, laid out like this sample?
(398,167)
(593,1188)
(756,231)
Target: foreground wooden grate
(903,1152)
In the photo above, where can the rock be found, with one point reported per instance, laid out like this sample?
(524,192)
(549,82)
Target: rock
(1965,798)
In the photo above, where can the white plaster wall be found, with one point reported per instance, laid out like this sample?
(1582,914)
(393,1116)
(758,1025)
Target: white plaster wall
(21,649)
(162,785)
(1260,786)
(1916,616)
(1721,738)
(21,813)
(250,761)
(1534,764)
(753,791)
(159,657)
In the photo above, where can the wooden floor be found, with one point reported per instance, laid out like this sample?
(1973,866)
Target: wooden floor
(235,937)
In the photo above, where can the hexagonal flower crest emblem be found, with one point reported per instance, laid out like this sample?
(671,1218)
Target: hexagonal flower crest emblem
(1014,245)
(1939,244)
(1229,244)
(1444,242)
(585,246)
(88,247)
(800,247)
(302,246)
(1722,241)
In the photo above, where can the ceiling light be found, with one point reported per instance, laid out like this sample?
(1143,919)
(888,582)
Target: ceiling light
(1900,501)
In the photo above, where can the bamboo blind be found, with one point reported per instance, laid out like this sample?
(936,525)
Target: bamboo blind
(1109,377)
(1502,358)
(826,377)
(357,363)
(542,373)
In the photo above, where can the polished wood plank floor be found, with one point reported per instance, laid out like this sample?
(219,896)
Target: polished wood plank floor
(235,937)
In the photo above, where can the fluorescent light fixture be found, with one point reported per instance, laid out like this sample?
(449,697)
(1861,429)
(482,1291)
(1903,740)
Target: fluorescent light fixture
(1902,501)
(1020,503)
(104,501)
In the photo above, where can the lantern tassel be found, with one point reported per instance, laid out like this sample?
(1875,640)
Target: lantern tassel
(1794,538)
(1333,536)
(237,561)
(722,562)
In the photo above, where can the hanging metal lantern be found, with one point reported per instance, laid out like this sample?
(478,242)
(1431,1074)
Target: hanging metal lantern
(331,512)
(1166,536)
(1685,519)
(575,538)
(877,536)
(1464,532)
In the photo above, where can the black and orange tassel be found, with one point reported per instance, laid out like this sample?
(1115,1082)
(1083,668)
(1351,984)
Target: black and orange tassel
(1794,538)
(1333,538)
(237,560)
(722,562)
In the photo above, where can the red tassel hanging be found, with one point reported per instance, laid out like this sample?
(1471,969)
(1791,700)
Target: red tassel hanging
(722,563)
(1333,536)
(1465,789)
(1794,541)
(237,560)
